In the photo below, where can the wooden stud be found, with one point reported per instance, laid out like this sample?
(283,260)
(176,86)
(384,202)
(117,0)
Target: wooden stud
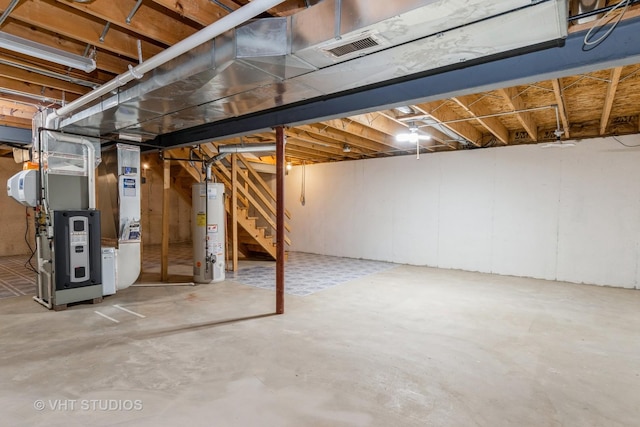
(611,96)
(164,252)
(234,210)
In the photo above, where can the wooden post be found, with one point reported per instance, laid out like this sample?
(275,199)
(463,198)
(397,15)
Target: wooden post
(280,144)
(234,209)
(164,254)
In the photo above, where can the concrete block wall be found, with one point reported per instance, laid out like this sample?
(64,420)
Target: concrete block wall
(569,214)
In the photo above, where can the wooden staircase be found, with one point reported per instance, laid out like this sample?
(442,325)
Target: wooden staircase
(250,204)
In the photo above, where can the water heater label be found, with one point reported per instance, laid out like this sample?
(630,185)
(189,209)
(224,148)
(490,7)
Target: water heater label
(213,193)
(212,228)
(201,220)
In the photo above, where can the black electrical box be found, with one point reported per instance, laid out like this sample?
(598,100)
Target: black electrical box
(77,252)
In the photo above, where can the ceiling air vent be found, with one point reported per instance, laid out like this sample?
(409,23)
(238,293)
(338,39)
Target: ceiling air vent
(353,46)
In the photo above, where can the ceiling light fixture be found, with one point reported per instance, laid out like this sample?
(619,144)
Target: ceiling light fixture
(413,137)
(42,51)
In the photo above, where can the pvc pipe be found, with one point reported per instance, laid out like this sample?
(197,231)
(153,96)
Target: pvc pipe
(226,23)
(91,169)
(242,148)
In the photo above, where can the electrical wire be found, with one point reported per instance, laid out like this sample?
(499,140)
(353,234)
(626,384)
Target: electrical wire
(600,24)
(28,263)
(626,145)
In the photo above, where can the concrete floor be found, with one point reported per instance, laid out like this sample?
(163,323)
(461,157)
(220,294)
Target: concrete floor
(410,346)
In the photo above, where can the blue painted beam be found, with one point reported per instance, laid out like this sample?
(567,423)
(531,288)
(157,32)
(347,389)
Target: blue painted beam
(15,135)
(622,47)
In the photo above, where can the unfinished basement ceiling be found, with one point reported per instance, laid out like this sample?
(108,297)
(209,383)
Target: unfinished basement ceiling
(598,103)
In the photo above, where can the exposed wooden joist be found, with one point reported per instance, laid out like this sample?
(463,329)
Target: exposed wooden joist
(515,102)
(611,96)
(557,90)
(15,122)
(32,89)
(364,131)
(443,113)
(313,145)
(21,111)
(474,106)
(64,20)
(104,60)
(204,12)
(40,80)
(283,9)
(342,137)
(147,21)
(435,134)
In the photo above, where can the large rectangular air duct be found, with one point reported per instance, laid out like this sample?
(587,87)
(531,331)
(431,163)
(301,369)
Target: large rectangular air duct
(334,46)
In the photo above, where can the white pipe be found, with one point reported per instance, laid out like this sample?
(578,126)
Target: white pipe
(91,169)
(249,148)
(222,25)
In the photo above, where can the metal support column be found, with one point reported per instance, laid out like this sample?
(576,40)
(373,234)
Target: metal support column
(280,165)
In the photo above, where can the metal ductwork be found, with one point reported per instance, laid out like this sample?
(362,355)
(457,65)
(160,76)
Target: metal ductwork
(333,46)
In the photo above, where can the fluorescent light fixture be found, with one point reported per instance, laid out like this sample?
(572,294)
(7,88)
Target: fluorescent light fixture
(39,50)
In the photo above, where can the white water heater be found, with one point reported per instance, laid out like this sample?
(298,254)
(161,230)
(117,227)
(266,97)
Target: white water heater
(208,224)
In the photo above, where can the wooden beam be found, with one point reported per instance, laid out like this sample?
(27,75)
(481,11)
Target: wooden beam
(611,96)
(16,110)
(166,193)
(443,113)
(564,116)
(515,102)
(283,9)
(147,21)
(35,64)
(104,60)
(473,105)
(15,122)
(63,20)
(39,91)
(365,132)
(40,80)
(204,12)
(435,134)
(342,137)
(234,210)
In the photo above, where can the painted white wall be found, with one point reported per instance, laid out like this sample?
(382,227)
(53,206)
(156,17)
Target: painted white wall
(570,214)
